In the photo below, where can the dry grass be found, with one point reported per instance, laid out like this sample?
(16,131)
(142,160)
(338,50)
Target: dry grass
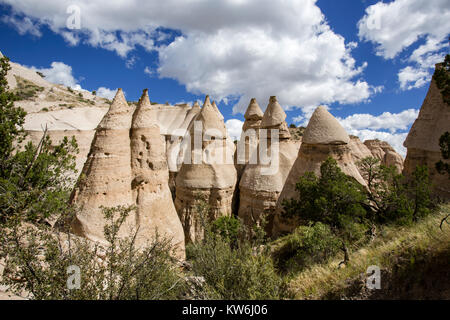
(392,248)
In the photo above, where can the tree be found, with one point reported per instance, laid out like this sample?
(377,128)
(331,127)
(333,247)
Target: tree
(333,199)
(444,144)
(35,181)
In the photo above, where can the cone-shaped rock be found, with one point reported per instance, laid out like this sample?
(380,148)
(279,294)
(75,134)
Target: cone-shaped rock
(274,118)
(323,128)
(315,149)
(422,141)
(155,211)
(106,176)
(253,116)
(217,109)
(261,183)
(207,172)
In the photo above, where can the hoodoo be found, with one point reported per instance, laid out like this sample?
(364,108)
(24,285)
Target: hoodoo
(323,137)
(387,155)
(261,183)
(422,141)
(207,172)
(155,211)
(106,176)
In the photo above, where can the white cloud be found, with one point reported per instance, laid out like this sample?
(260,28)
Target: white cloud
(106,93)
(397,25)
(234,127)
(23,25)
(394,139)
(389,121)
(60,73)
(149,71)
(367,126)
(229,49)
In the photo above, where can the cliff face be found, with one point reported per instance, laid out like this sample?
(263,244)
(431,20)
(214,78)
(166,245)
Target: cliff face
(422,141)
(387,155)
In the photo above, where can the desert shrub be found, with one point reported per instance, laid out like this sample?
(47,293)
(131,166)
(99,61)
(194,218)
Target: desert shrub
(230,272)
(233,261)
(227,227)
(306,246)
(34,180)
(37,261)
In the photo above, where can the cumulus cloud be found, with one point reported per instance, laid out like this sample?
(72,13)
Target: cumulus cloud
(253,48)
(390,127)
(389,121)
(60,73)
(397,25)
(106,93)
(234,128)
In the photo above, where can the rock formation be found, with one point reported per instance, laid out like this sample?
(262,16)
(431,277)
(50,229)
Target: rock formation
(207,172)
(422,141)
(358,149)
(387,155)
(106,176)
(155,211)
(323,137)
(261,183)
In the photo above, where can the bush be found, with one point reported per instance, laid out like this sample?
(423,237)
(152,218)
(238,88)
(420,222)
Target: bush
(333,199)
(34,182)
(227,227)
(230,272)
(307,245)
(37,261)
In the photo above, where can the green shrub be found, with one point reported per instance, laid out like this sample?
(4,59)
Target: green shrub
(241,272)
(307,245)
(227,227)
(37,261)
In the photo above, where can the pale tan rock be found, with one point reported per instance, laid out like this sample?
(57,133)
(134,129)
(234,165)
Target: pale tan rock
(358,149)
(387,155)
(155,211)
(324,129)
(106,176)
(422,141)
(260,187)
(201,178)
(310,158)
(274,118)
(253,116)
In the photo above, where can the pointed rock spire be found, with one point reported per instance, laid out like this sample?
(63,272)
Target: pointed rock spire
(274,114)
(142,116)
(323,128)
(211,119)
(217,109)
(254,111)
(118,115)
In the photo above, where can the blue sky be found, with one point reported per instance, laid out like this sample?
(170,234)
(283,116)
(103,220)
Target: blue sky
(369,61)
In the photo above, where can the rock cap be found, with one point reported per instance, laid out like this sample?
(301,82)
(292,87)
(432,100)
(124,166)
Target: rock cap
(274,114)
(254,111)
(323,128)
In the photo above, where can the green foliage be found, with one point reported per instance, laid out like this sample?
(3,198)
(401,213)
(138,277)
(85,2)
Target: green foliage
(391,198)
(333,199)
(307,245)
(227,227)
(40,74)
(94,92)
(37,261)
(292,125)
(26,90)
(442,78)
(233,262)
(234,272)
(444,144)
(34,183)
